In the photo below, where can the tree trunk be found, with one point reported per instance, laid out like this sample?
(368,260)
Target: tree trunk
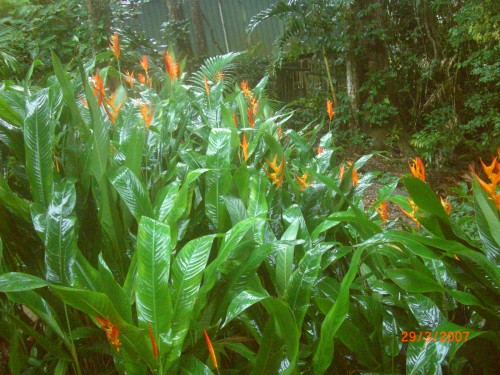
(199,33)
(351,71)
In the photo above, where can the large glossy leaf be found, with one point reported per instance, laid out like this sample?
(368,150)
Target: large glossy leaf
(231,239)
(12,202)
(8,114)
(487,222)
(187,272)
(132,191)
(284,259)
(153,268)
(38,148)
(60,234)
(414,281)
(18,282)
(218,178)
(298,291)
(42,309)
(242,302)
(335,317)
(257,204)
(68,93)
(114,291)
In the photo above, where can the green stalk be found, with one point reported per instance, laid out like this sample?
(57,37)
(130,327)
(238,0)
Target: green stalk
(73,350)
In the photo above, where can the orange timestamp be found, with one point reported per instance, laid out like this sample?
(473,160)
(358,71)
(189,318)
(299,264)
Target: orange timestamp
(441,336)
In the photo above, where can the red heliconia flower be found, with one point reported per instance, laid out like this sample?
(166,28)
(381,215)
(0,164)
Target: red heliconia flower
(142,79)
(251,120)
(115,45)
(417,168)
(112,331)
(383,210)
(98,88)
(153,341)
(244,146)
(207,88)
(235,119)
(211,349)
(171,66)
(145,64)
(329,109)
(146,113)
(129,78)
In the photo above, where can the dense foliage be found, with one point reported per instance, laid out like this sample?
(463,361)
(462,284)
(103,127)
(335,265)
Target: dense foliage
(422,73)
(159,222)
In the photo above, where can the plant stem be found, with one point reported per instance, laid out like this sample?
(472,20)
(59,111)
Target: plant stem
(73,350)
(325,60)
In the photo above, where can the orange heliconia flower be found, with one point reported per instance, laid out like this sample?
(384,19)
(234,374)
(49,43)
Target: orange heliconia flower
(279,131)
(278,170)
(354,174)
(413,213)
(142,79)
(145,64)
(235,119)
(207,88)
(146,113)
(417,168)
(492,171)
(446,205)
(129,78)
(320,150)
(112,331)
(302,181)
(244,146)
(171,66)
(211,349)
(251,120)
(114,45)
(115,108)
(153,341)
(383,210)
(98,88)
(329,109)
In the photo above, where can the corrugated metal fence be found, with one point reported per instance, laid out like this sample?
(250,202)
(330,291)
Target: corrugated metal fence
(236,15)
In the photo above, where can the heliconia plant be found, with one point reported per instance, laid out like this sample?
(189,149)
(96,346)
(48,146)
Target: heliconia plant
(175,224)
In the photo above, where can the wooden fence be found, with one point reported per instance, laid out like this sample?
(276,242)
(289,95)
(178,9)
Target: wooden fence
(236,15)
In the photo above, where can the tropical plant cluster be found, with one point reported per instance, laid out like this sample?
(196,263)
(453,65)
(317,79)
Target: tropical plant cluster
(154,221)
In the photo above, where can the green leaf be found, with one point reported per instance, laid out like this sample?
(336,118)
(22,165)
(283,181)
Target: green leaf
(242,302)
(335,317)
(68,93)
(114,291)
(38,148)
(218,178)
(284,259)
(487,222)
(425,198)
(165,201)
(425,311)
(231,240)
(187,272)
(413,281)
(9,115)
(298,292)
(132,192)
(17,282)
(153,268)
(12,202)
(42,309)
(60,234)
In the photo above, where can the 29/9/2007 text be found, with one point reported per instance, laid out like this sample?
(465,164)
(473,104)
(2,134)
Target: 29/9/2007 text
(441,336)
